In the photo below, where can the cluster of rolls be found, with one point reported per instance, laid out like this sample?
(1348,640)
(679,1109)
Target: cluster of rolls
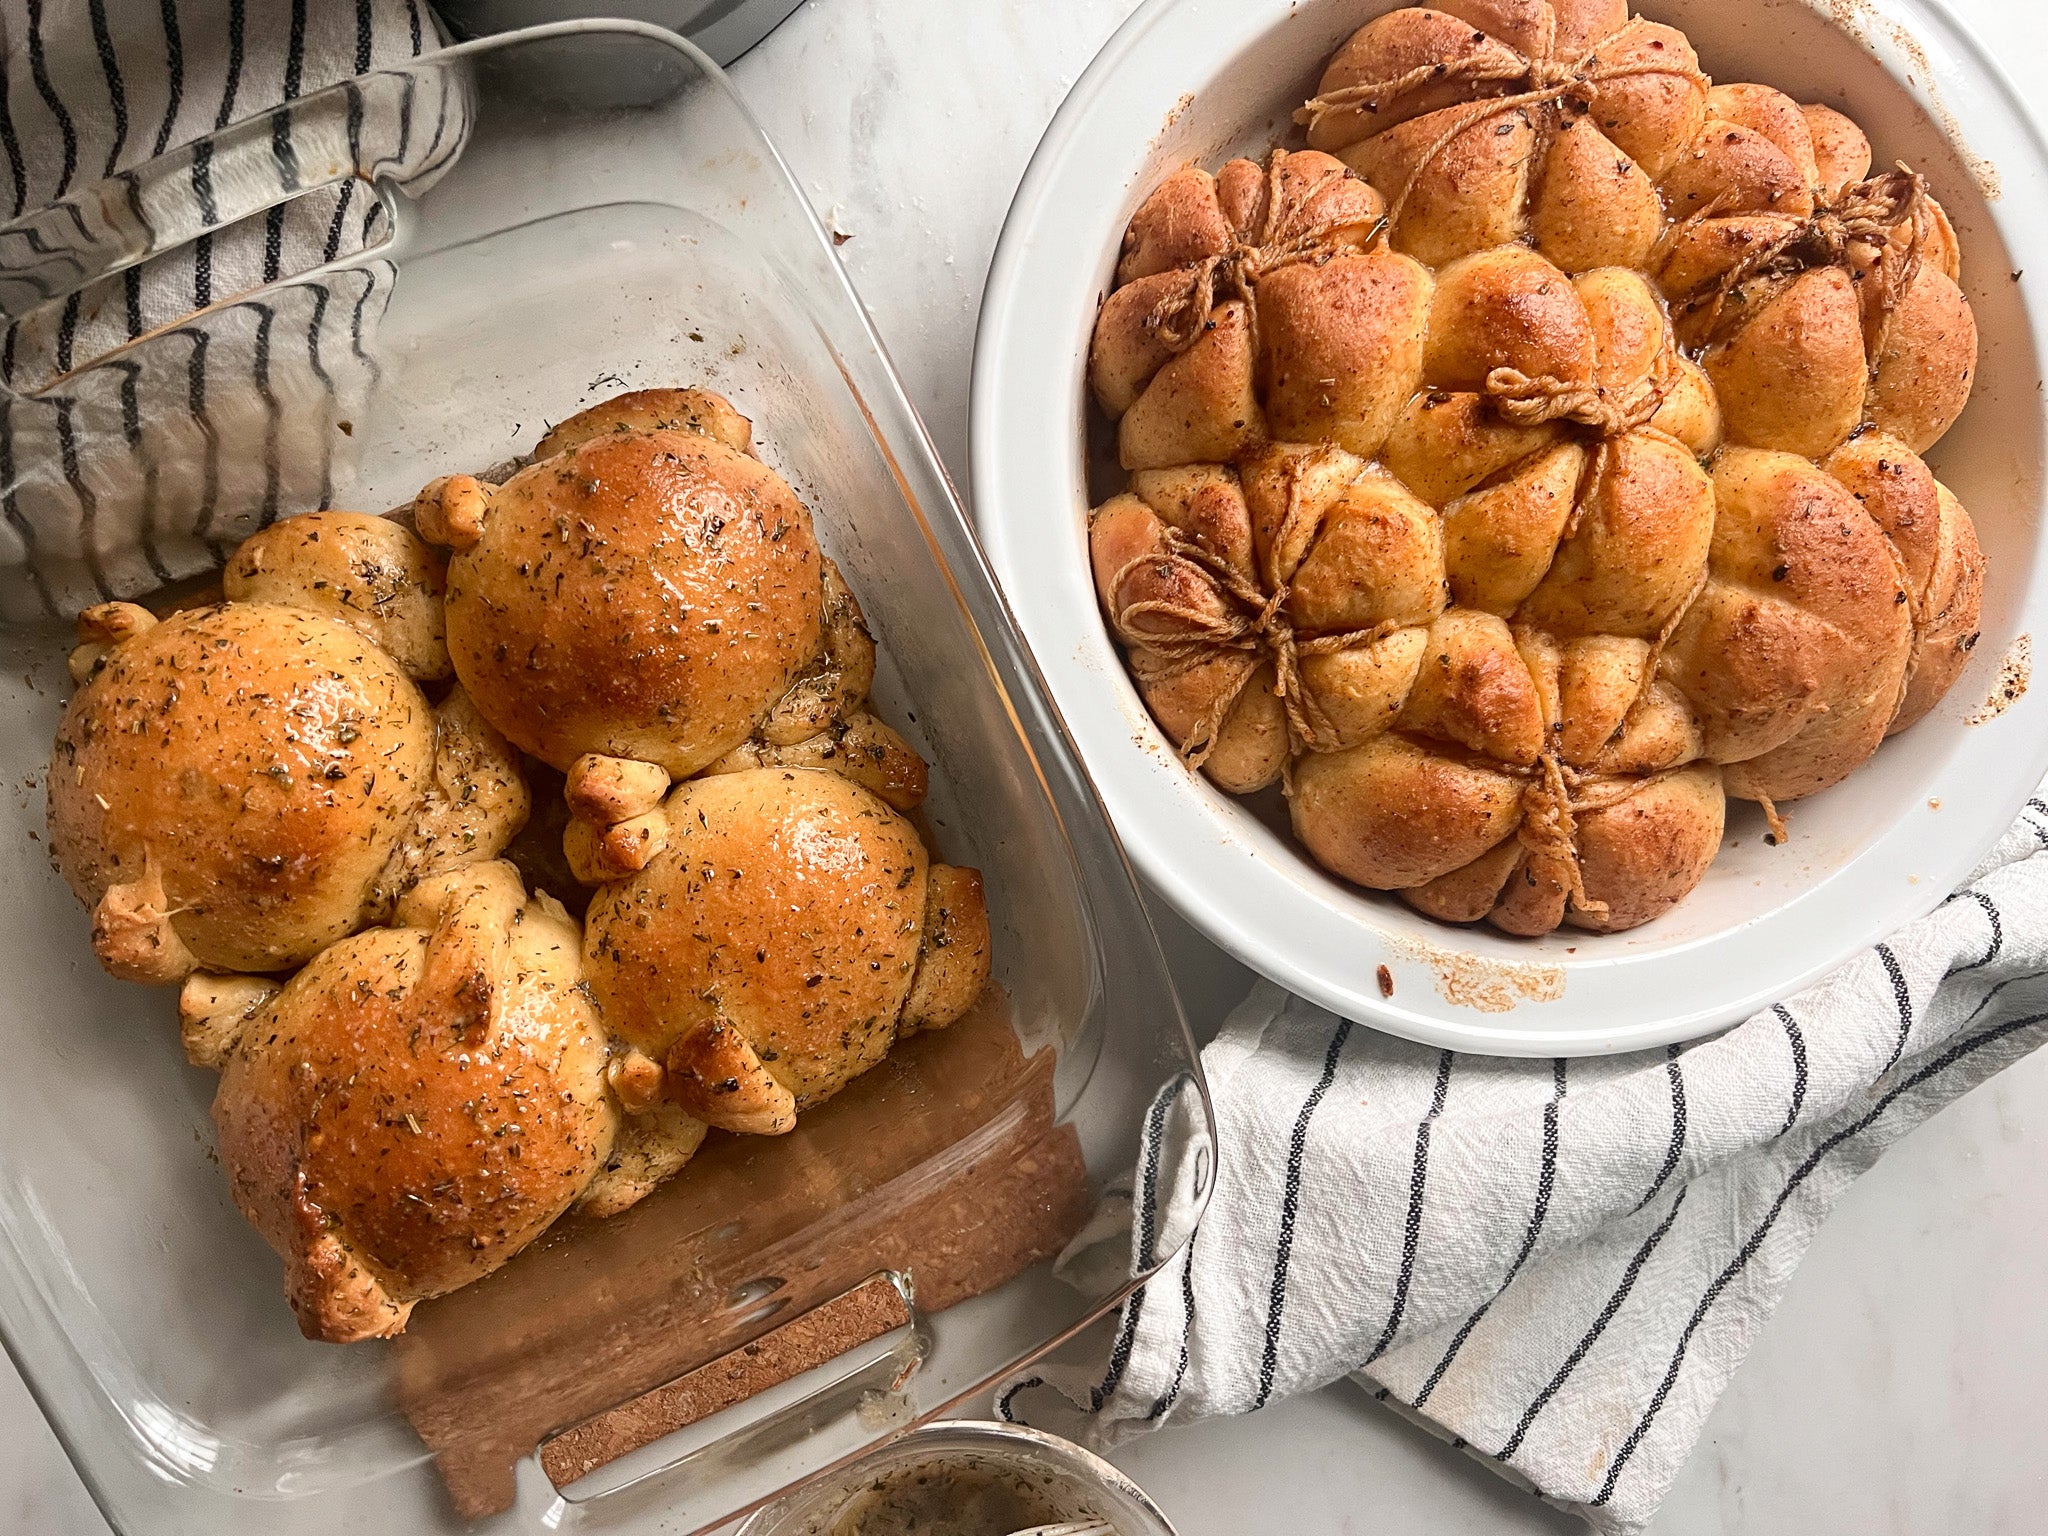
(423,1063)
(1534,460)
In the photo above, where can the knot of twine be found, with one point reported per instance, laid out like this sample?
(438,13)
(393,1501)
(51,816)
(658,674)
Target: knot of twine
(1542,81)
(1255,627)
(1285,237)
(1851,232)
(1550,826)
(1612,414)
(1554,797)
(1526,401)
(1544,78)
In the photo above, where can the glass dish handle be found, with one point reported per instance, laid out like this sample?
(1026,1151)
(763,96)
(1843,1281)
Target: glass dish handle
(748,1424)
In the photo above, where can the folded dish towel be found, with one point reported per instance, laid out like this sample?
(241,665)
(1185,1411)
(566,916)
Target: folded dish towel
(1555,1264)
(152,418)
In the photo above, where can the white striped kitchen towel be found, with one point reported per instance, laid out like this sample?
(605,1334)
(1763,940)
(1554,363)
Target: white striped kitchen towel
(1555,1264)
(152,417)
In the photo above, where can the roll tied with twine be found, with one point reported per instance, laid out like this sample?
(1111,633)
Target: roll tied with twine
(1820,297)
(1481,123)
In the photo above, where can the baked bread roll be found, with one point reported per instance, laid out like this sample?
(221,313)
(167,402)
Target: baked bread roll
(239,786)
(643,594)
(371,573)
(1820,297)
(1492,122)
(416,1105)
(1187,369)
(1435,521)
(648,600)
(790,932)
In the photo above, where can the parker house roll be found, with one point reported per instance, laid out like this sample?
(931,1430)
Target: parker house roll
(792,929)
(1534,461)
(416,1105)
(238,786)
(647,601)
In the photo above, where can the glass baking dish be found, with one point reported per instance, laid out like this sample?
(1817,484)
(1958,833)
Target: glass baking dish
(615,220)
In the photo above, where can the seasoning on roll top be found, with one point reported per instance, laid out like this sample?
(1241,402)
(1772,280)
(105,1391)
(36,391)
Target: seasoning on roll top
(240,785)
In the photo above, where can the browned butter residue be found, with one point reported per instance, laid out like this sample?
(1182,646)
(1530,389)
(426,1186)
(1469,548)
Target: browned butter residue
(2015,672)
(1482,984)
(956,1497)
(1859,18)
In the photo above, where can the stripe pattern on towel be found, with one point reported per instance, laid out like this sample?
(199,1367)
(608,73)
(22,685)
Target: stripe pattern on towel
(1555,1265)
(152,416)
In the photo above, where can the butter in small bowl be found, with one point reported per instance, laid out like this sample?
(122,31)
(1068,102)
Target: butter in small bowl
(958,1496)
(964,1479)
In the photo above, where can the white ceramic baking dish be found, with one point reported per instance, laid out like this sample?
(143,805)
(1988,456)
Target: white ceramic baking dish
(1202,79)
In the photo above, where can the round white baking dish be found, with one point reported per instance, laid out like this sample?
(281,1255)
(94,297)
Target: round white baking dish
(1201,79)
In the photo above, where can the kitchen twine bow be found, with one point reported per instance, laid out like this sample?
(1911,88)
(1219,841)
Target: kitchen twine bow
(1256,628)
(1543,82)
(1854,233)
(1287,236)
(1611,415)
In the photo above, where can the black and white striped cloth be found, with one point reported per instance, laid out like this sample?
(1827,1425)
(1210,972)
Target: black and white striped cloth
(1557,1265)
(154,412)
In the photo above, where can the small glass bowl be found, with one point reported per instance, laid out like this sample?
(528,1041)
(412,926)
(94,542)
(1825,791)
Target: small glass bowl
(1079,1484)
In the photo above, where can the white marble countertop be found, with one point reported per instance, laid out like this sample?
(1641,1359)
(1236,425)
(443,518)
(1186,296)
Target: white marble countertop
(1902,1387)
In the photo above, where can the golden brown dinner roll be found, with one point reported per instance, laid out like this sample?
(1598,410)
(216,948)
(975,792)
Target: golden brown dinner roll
(1822,297)
(1485,124)
(1173,566)
(1248,306)
(1799,653)
(239,786)
(790,931)
(372,573)
(416,1105)
(1937,544)
(647,601)
(646,595)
